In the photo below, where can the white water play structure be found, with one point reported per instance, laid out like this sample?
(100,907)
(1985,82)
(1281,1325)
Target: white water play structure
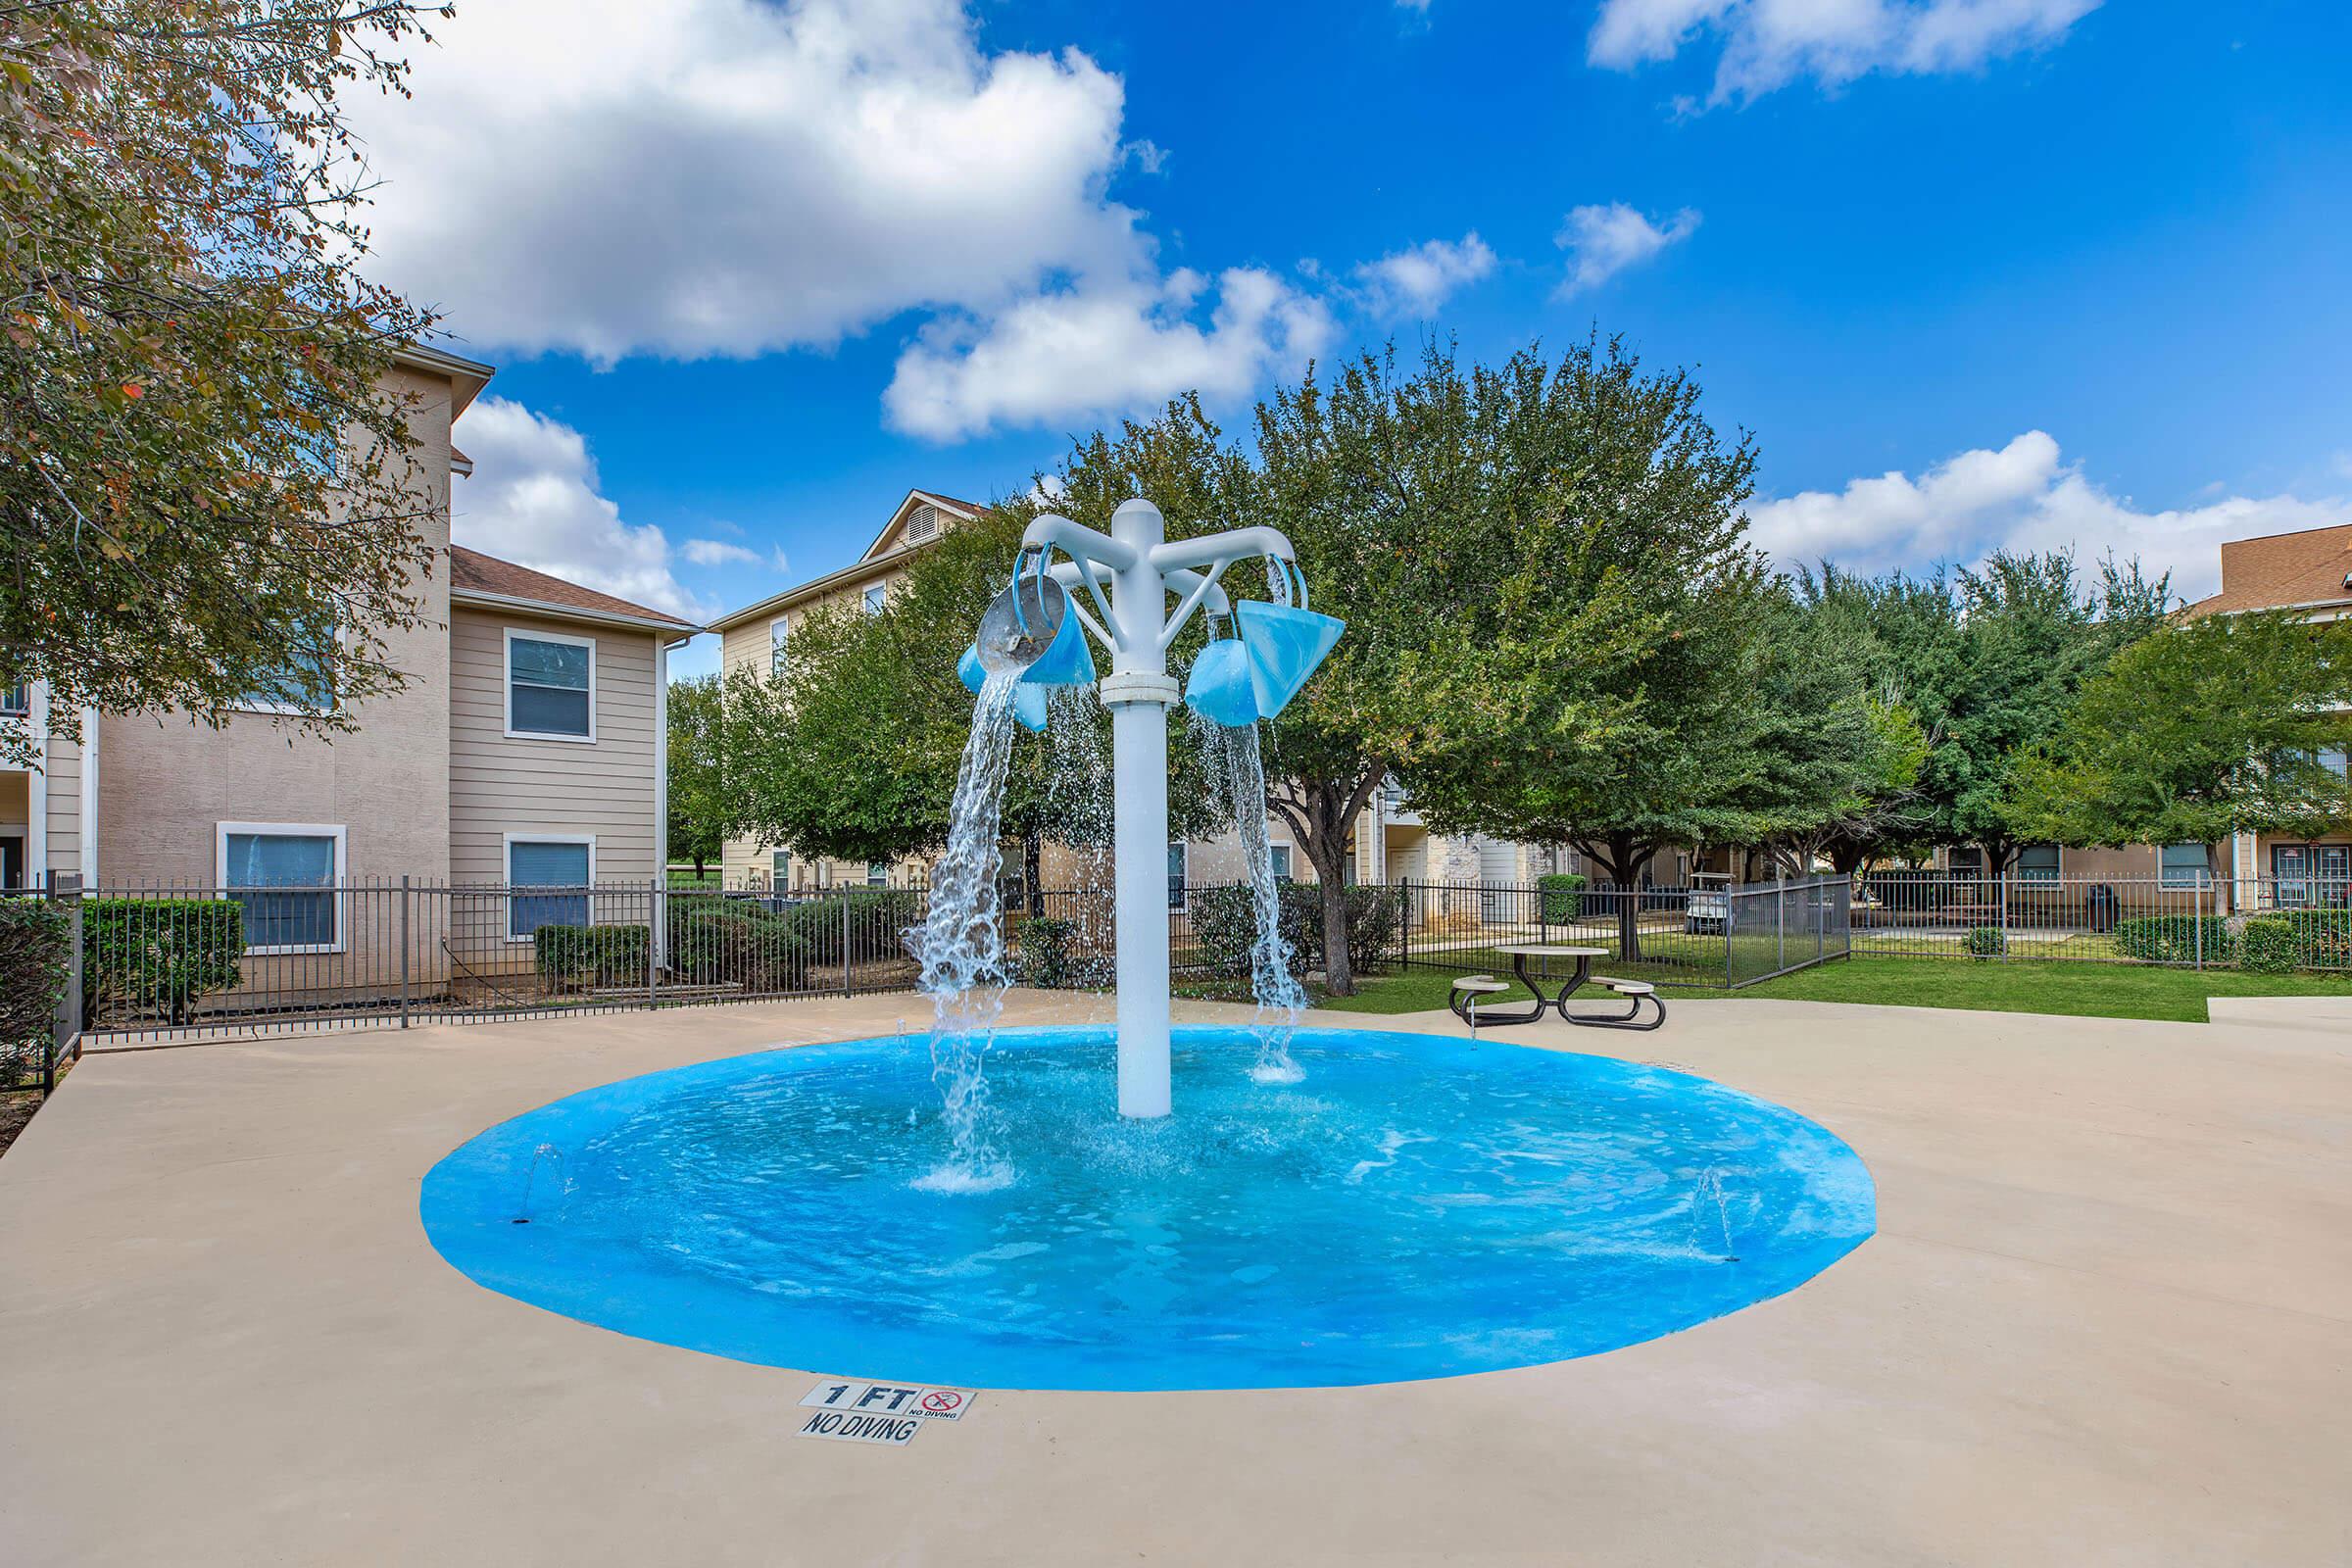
(1032,635)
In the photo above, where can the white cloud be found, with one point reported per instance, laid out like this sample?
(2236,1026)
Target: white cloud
(1765,44)
(2023,497)
(1417,280)
(720,552)
(1604,241)
(696,177)
(1098,347)
(533,499)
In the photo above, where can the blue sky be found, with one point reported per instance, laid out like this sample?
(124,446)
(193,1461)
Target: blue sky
(1975,272)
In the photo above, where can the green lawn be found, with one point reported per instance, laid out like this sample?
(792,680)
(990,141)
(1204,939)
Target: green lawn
(2089,990)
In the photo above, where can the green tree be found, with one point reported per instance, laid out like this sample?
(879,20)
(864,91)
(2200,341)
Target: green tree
(205,489)
(1607,697)
(2220,725)
(2026,633)
(698,799)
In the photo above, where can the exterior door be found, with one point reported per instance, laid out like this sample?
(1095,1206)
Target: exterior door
(11,860)
(2331,874)
(2290,865)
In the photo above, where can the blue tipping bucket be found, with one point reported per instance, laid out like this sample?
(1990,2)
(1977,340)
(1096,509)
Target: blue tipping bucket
(1285,643)
(1066,660)
(1028,702)
(1218,688)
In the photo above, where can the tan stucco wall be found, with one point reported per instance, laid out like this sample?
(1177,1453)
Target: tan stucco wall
(165,782)
(500,784)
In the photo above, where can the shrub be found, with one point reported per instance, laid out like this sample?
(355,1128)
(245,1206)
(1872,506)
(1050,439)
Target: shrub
(2323,937)
(2174,938)
(35,961)
(719,941)
(1375,924)
(1225,925)
(1052,957)
(2268,945)
(163,954)
(573,957)
(1986,942)
(877,923)
(1559,899)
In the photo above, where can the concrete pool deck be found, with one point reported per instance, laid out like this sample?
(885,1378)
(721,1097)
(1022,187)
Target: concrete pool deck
(2107,1318)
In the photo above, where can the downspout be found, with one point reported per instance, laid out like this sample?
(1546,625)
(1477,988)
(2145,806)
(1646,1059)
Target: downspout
(36,789)
(658,932)
(89,799)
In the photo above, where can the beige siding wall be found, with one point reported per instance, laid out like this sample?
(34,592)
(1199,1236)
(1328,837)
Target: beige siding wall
(166,782)
(747,861)
(63,812)
(500,784)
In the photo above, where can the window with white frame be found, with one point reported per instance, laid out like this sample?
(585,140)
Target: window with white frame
(283,878)
(304,684)
(779,632)
(564,865)
(1176,864)
(16,701)
(2038,862)
(2187,865)
(779,867)
(551,686)
(874,598)
(877,873)
(1281,861)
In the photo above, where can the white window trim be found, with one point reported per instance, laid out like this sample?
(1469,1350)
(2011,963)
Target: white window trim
(774,647)
(295,710)
(221,833)
(507,865)
(1287,857)
(2017,873)
(874,597)
(507,686)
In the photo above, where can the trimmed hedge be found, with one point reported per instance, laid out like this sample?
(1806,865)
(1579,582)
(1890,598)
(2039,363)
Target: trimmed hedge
(2323,937)
(877,921)
(2268,946)
(163,954)
(1986,942)
(1225,925)
(719,941)
(35,961)
(2174,938)
(1052,958)
(1559,901)
(575,958)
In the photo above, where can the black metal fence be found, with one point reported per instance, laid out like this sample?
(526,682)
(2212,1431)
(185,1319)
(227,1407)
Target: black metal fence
(1705,935)
(2259,922)
(182,963)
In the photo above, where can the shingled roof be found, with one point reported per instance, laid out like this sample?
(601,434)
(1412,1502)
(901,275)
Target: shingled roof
(2284,570)
(472,572)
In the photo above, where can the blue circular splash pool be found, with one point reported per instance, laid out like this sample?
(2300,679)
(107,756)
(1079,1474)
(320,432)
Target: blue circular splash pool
(1416,1207)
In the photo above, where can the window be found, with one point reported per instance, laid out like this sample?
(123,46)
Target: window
(874,597)
(1281,861)
(551,686)
(2334,759)
(304,684)
(2038,862)
(779,868)
(1176,874)
(569,863)
(16,701)
(283,875)
(777,631)
(877,873)
(1967,860)
(2186,866)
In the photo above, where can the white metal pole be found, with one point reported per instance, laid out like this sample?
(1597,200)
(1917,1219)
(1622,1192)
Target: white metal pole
(1138,692)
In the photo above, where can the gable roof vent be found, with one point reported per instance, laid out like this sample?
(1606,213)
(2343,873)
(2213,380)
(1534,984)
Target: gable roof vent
(923,524)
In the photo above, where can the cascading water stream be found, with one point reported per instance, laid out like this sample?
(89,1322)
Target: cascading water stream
(961,947)
(1238,765)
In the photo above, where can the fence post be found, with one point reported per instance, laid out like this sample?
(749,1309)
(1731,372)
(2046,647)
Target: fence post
(654,928)
(2001,893)
(1779,924)
(406,897)
(847,899)
(1405,918)
(2196,916)
(65,1035)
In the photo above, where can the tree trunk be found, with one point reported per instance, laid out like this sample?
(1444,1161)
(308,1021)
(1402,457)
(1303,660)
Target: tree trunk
(1321,813)
(1623,859)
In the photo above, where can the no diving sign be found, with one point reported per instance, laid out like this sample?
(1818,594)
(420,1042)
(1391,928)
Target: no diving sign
(889,1413)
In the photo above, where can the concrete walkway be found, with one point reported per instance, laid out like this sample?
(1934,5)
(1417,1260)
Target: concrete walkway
(2107,1320)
